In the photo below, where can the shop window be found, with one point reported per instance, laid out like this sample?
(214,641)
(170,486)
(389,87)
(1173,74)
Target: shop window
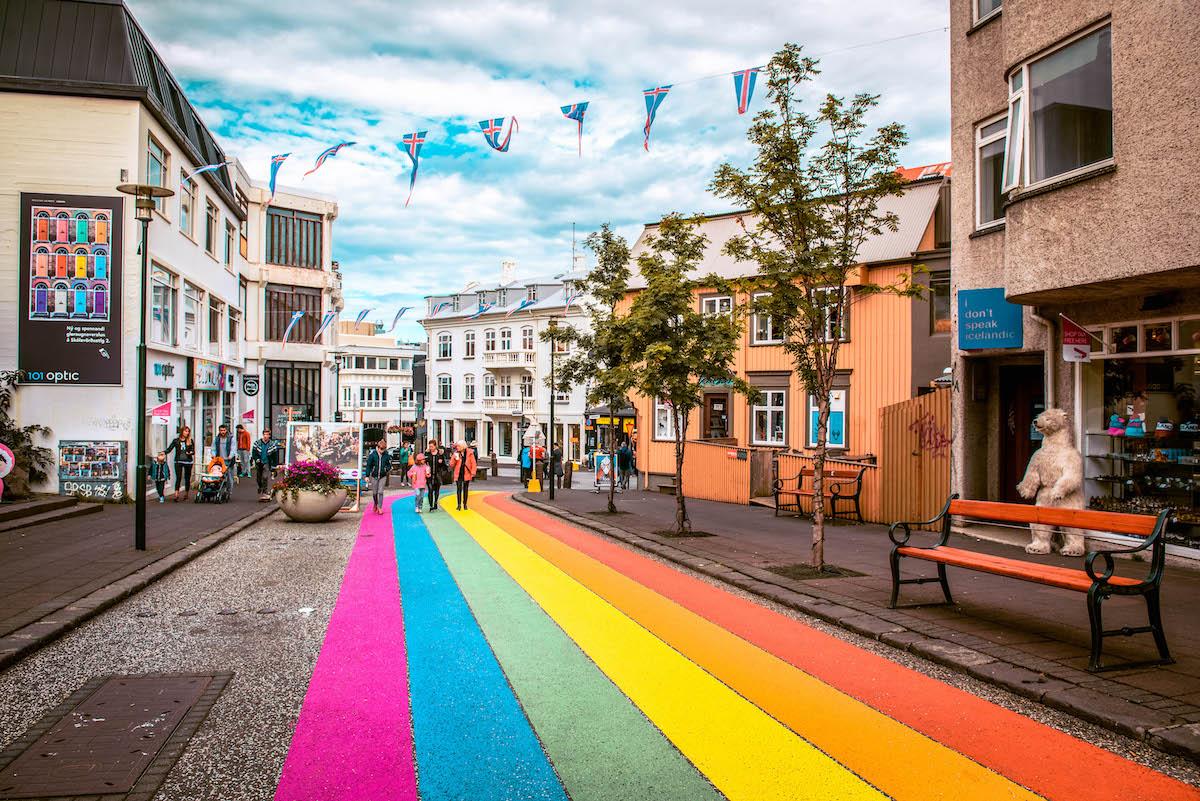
(989,172)
(1157,336)
(836,436)
(664,421)
(1124,339)
(939,303)
(1189,334)
(769,418)
(505,435)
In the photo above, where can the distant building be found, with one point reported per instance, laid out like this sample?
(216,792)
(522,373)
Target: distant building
(375,378)
(487,364)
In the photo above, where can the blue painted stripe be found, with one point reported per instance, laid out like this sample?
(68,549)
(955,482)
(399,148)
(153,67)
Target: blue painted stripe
(472,739)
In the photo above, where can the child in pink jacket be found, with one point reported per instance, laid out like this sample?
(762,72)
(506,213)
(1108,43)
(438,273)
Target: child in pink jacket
(418,477)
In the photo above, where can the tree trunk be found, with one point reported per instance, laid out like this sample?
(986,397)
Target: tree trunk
(682,524)
(817,557)
(612,458)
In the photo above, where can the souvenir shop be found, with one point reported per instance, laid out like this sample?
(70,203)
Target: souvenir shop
(1140,422)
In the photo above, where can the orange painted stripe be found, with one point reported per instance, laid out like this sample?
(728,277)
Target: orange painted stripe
(1052,763)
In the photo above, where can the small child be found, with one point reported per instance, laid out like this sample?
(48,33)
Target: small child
(418,476)
(160,474)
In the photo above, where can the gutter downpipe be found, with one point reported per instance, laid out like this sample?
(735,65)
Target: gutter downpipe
(1048,360)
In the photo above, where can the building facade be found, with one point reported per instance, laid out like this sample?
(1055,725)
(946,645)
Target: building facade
(487,365)
(892,347)
(1075,139)
(375,379)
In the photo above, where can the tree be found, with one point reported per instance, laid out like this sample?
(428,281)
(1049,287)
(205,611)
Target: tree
(810,207)
(596,355)
(672,349)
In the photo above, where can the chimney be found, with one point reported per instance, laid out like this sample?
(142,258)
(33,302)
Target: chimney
(577,264)
(508,271)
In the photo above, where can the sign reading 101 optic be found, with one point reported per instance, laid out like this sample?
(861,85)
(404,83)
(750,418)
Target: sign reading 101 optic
(250,385)
(987,320)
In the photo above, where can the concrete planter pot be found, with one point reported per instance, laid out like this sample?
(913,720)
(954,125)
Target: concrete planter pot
(310,506)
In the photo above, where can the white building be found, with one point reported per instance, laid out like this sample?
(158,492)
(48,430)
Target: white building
(487,371)
(375,377)
(69,244)
(289,267)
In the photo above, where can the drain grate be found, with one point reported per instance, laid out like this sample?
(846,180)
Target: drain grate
(117,735)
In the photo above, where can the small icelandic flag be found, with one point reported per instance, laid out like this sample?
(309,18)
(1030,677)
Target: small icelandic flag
(296,317)
(494,127)
(396,319)
(327,153)
(362,315)
(524,304)
(411,145)
(483,307)
(276,163)
(743,87)
(654,99)
(204,169)
(325,323)
(576,112)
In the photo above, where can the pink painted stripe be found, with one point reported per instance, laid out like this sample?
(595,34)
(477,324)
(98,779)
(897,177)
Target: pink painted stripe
(354,737)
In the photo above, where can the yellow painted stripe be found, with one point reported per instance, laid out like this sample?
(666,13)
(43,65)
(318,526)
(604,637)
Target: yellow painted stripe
(744,752)
(903,762)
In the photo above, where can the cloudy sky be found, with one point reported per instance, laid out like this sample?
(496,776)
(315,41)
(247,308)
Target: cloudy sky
(299,76)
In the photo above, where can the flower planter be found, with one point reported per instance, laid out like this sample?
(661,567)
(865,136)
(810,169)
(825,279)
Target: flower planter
(310,506)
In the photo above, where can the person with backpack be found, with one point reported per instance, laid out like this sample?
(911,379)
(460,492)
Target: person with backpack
(526,460)
(379,465)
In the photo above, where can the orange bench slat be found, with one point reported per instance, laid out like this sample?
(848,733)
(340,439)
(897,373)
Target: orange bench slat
(1063,577)
(1089,519)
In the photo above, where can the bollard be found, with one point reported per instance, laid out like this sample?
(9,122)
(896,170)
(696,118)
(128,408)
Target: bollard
(568,472)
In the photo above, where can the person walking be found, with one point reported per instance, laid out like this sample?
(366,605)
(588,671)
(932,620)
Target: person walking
(184,448)
(624,464)
(554,470)
(379,465)
(404,456)
(418,478)
(264,455)
(160,474)
(462,466)
(435,460)
(526,460)
(244,441)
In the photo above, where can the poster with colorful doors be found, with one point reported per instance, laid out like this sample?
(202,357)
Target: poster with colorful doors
(69,320)
(92,468)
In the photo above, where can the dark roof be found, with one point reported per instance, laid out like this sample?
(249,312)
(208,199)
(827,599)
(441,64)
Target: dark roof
(96,47)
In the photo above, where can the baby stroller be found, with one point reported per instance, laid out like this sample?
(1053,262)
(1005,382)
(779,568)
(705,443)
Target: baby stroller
(215,483)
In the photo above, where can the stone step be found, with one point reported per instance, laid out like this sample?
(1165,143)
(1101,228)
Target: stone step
(19,509)
(54,515)
(667,489)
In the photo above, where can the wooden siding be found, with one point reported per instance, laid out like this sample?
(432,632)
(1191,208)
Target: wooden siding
(790,465)
(710,474)
(915,465)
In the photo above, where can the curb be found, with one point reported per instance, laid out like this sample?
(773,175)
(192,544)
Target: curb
(966,654)
(27,639)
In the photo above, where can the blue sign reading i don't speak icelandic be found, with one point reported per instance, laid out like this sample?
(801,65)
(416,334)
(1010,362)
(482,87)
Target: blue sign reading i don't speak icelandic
(987,320)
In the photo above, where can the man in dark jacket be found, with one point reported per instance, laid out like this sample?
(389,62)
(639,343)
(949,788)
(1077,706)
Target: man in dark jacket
(439,464)
(264,455)
(624,464)
(379,464)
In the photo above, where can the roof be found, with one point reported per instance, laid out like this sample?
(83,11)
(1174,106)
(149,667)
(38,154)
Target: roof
(97,48)
(913,209)
(555,300)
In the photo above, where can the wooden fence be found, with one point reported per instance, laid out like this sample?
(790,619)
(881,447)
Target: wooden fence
(916,437)
(717,472)
(790,465)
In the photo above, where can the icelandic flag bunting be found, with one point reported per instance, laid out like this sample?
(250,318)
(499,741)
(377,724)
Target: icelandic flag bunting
(296,317)
(204,169)
(327,153)
(411,145)
(576,112)
(396,319)
(572,298)
(445,304)
(654,99)
(276,163)
(743,87)
(492,129)
(483,307)
(524,304)
(329,315)
(362,315)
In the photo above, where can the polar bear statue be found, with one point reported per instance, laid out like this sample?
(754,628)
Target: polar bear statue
(1055,478)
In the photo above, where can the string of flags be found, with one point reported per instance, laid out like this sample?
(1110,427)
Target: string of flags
(575,112)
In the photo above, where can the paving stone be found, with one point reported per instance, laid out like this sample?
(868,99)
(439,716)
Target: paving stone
(870,626)
(950,654)
(1024,682)
(1183,740)
(1107,710)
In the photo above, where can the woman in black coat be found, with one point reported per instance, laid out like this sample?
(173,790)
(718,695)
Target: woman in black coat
(185,456)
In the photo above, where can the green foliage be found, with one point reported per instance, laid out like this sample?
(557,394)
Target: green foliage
(812,199)
(33,460)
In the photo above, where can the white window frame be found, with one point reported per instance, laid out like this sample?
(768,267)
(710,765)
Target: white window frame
(526,388)
(975,12)
(469,345)
(664,428)
(212,227)
(844,328)
(489,385)
(712,304)
(982,141)
(754,318)
(505,383)
(810,407)
(469,387)
(445,345)
(489,340)
(445,388)
(527,338)
(215,337)
(164,173)
(187,189)
(230,236)
(506,339)
(191,291)
(171,283)
(233,318)
(767,405)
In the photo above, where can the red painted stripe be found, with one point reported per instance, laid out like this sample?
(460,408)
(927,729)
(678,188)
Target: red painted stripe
(1047,761)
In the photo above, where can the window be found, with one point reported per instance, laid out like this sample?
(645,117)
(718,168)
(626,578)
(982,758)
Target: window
(489,385)
(836,436)
(347,397)
(986,8)
(156,168)
(531,294)
(717,304)
(769,418)
(1060,111)
(164,299)
(506,386)
(243,225)
(762,327)
(468,387)
(505,339)
(469,345)
(504,433)
(193,299)
(445,346)
(294,238)
(989,172)
(216,310)
(230,235)
(562,397)
(370,363)
(561,347)
(939,303)
(212,221)
(489,341)
(235,331)
(527,338)
(282,301)
(443,387)
(187,203)
(526,386)
(835,318)
(664,421)
(372,397)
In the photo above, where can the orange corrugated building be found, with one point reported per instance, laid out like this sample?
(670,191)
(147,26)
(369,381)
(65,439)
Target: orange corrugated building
(893,347)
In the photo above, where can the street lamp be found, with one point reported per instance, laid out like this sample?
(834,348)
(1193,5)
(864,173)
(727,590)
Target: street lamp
(145,195)
(337,385)
(553,465)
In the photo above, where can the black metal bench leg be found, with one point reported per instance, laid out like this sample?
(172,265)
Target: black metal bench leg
(1094,599)
(1160,637)
(857,510)
(945,584)
(895,560)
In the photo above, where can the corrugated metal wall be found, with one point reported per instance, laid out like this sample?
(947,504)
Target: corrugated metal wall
(716,473)
(916,437)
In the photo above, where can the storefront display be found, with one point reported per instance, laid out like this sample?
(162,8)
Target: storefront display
(92,469)
(1142,433)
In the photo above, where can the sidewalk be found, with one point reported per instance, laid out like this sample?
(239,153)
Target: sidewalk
(1029,639)
(56,575)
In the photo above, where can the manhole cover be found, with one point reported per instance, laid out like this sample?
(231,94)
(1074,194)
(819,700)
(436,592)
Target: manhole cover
(103,738)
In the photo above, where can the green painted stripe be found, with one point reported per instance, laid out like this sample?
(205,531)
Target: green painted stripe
(601,745)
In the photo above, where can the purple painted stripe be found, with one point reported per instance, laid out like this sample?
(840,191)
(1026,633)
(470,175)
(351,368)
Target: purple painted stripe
(354,737)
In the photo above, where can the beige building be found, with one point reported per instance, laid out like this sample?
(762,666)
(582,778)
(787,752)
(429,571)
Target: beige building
(1075,140)
(374,379)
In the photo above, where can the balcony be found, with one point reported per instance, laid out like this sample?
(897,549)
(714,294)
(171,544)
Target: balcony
(508,405)
(501,359)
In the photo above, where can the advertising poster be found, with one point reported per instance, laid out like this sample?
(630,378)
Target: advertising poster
(92,468)
(69,288)
(337,444)
(604,475)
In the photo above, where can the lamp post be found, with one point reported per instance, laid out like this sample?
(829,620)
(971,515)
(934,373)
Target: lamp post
(145,195)
(337,385)
(553,464)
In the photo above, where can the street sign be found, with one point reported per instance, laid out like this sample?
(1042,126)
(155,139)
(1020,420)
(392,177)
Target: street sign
(1076,342)
(250,385)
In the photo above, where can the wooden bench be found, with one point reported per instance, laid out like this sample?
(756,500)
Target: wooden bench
(842,485)
(1098,586)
